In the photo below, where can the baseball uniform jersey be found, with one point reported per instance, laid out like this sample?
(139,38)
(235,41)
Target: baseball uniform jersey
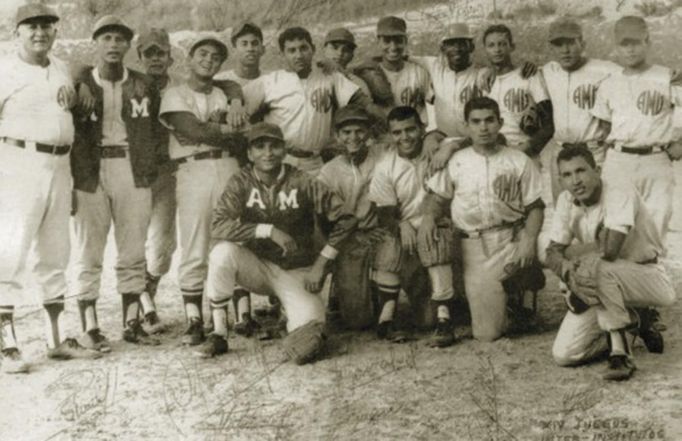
(232,75)
(411,86)
(515,94)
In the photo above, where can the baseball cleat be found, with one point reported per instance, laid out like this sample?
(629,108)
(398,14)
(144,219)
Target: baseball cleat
(194,334)
(93,339)
(443,336)
(213,346)
(386,331)
(620,368)
(70,349)
(12,362)
(247,327)
(153,323)
(134,333)
(650,328)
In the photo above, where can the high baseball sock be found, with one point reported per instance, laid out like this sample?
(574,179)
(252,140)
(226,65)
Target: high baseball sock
(131,307)
(619,344)
(147,303)
(241,300)
(88,313)
(54,321)
(219,313)
(193,306)
(388,298)
(442,310)
(7,336)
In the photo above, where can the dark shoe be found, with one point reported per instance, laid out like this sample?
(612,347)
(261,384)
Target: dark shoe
(620,368)
(387,331)
(650,329)
(12,362)
(70,349)
(153,323)
(134,333)
(522,320)
(213,346)
(269,311)
(194,335)
(93,339)
(443,336)
(247,327)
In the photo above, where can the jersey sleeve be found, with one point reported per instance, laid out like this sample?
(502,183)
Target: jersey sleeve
(227,221)
(381,190)
(531,182)
(602,107)
(173,101)
(255,95)
(441,183)
(426,62)
(620,208)
(538,87)
(561,230)
(344,88)
(330,205)
(326,175)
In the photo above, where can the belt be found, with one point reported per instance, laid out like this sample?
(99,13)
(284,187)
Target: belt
(298,153)
(478,233)
(113,151)
(583,144)
(42,148)
(653,260)
(641,150)
(209,154)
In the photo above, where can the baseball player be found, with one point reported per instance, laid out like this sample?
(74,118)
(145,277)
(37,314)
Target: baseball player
(494,196)
(339,48)
(301,100)
(619,243)
(263,228)
(114,164)
(35,182)
(638,102)
(519,98)
(247,45)
(205,153)
(397,190)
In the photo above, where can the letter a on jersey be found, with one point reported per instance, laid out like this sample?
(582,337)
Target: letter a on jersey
(255,199)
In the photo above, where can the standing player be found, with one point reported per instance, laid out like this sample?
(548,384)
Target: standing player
(494,196)
(339,48)
(205,154)
(35,182)
(572,81)
(578,217)
(114,163)
(638,102)
(301,100)
(517,96)
(247,44)
(397,190)
(263,228)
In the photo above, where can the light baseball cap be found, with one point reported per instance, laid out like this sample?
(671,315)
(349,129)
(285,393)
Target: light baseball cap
(630,27)
(154,37)
(340,34)
(111,22)
(458,31)
(391,26)
(209,38)
(35,10)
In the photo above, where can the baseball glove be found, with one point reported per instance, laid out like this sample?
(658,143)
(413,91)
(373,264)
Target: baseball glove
(582,278)
(376,81)
(304,344)
(442,252)
(530,121)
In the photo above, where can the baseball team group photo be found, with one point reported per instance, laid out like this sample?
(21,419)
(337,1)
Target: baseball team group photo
(367,229)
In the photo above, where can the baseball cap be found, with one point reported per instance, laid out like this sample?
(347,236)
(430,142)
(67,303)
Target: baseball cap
(209,38)
(340,34)
(391,26)
(246,28)
(111,22)
(564,28)
(458,31)
(265,130)
(630,27)
(350,113)
(35,10)
(153,37)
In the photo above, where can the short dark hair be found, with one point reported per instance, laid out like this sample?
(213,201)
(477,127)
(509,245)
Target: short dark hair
(481,102)
(576,151)
(247,29)
(401,113)
(295,33)
(498,29)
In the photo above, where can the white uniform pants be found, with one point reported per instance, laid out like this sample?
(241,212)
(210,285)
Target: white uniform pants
(116,201)
(579,339)
(35,201)
(161,236)
(199,186)
(231,264)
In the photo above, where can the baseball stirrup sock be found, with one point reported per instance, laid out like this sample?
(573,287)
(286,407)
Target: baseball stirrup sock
(88,313)
(241,300)
(219,313)
(131,307)
(54,318)
(193,306)
(147,303)
(388,298)
(442,312)
(7,336)
(619,342)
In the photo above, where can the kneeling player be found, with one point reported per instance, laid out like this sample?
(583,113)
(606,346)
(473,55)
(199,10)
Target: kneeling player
(397,189)
(629,275)
(494,193)
(263,228)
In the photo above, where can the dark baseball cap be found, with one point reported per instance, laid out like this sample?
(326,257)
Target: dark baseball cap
(111,22)
(564,28)
(630,27)
(245,28)
(458,31)
(342,35)
(265,130)
(391,26)
(35,10)
(154,37)
(350,114)
(209,38)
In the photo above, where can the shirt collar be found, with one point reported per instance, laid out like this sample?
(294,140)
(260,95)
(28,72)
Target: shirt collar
(280,176)
(98,79)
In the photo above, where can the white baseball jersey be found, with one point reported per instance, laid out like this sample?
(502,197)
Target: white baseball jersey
(451,91)
(573,95)
(399,182)
(232,76)
(183,99)
(575,221)
(302,107)
(515,94)
(25,113)
(639,107)
(411,86)
(487,191)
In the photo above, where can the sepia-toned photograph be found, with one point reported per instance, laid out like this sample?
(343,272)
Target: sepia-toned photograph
(227,220)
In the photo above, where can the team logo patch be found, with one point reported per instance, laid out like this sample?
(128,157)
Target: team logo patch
(321,100)
(584,96)
(507,188)
(651,102)
(516,100)
(139,108)
(412,96)
(468,93)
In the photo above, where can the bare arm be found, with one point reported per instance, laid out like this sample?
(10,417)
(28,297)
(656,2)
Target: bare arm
(198,132)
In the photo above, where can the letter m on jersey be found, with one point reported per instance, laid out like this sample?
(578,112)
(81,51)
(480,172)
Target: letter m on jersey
(288,201)
(139,108)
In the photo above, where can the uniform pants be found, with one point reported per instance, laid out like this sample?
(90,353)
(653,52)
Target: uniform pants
(232,264)
(35,201)
(199,186)
(116,200)
(652,175)
(310,165)
(161,236)
(579,339)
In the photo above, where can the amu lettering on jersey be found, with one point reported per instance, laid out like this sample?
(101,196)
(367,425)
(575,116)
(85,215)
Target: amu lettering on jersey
(285,201)
(517,100)
(321,99)
(650,102)
(412,96)
(584,96)
(507,187)
(469,92)
(139,109)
